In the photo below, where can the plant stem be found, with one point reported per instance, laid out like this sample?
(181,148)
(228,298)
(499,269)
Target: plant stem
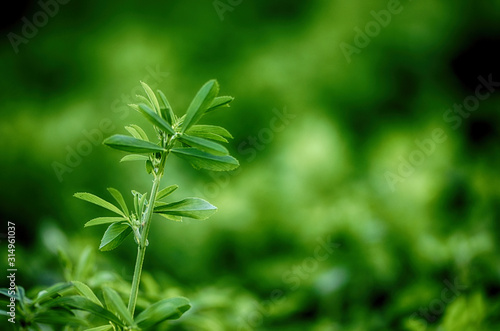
(141,248)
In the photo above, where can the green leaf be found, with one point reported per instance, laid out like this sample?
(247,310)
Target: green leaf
(104,220)
(190,207)
(51,291)
(89,197)
(163,310)
(204,145)
(171,217)
(166,191)
(134,106)
(218,130)
(131,144)
(220,102)
(116,305)
(133,132)
(82,303)
(200,104)
(144,100)
(59,317)
(212,132)
(84,290)
(101,328)
(141,132)
(155,119)
(166,110)
(134,157)
(151,96)
(149,166)
(202,160)
(119,198)
(114,236)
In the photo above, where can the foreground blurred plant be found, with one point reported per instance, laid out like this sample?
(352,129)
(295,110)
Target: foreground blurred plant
(180,136)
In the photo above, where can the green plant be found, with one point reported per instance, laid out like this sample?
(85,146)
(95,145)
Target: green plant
(180,136)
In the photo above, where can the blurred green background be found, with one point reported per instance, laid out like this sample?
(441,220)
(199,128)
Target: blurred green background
(344,214)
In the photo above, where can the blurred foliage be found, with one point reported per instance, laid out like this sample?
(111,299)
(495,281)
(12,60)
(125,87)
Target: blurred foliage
(315,135)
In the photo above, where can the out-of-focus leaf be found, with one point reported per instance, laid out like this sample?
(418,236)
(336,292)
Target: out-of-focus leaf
(190,207)
(119,198)
(204,145)
(116,305)
(134,157)
(171,217)
(163,310)
(89,197)
(220,102)
(85,264)
(101,328)
(151,96)
(59,317)
(149,166)
(87,292)
(51,291)
(203,160)
(104,220)
(200,104)
(82,303)
(132,145)
(114,236)
(155,119)
(166,191)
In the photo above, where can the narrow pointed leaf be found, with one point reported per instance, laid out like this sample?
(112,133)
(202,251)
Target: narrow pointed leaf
(220,102)
(119,198)
(200,104)
(106,327)
(201,160)
(89,197)
(59,317)
(190,207)
(155,119)
(134,157)
(104,220)
(218,130)
(163,310)
(51,291)
(145,100)
(133,106)
(84,290)
(131,144)
(171,217)
(151,96)
(115,304)
(166,110)
(204,145)
(133,132)
(114,236)
(166,191)
(82,303)
(143,134)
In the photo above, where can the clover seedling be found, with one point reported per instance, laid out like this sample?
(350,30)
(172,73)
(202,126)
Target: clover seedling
(179,136)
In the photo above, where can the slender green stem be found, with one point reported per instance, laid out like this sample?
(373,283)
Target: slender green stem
(141,248)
